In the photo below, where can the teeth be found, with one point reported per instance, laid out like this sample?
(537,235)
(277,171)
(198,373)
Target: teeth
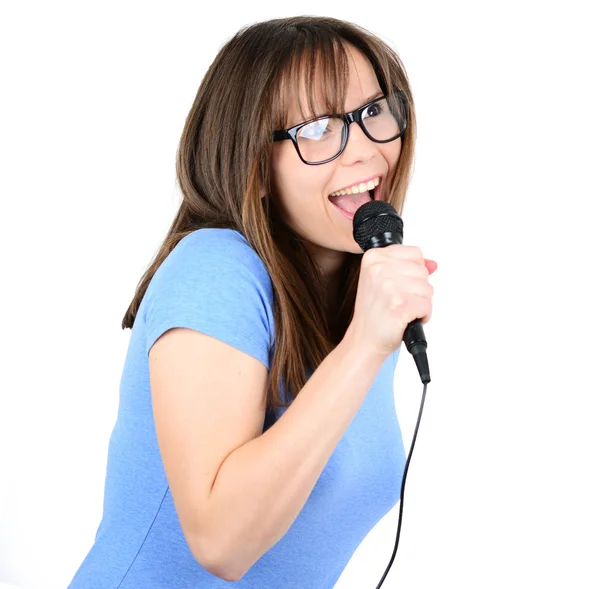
(362,187)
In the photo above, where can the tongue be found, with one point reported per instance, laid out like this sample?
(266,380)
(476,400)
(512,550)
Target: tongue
(350,202)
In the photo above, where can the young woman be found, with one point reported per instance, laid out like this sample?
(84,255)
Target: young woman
(256,440)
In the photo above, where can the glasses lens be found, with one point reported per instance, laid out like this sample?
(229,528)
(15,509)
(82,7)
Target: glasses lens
(386,118)
(320,139)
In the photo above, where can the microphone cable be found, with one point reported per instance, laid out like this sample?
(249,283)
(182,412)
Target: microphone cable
(412,445)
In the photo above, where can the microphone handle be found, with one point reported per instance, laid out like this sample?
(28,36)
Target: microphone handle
(416,344)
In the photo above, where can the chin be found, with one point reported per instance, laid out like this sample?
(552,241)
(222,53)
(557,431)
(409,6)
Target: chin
(356,248)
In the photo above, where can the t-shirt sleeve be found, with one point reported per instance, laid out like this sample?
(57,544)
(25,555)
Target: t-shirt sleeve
(215,283)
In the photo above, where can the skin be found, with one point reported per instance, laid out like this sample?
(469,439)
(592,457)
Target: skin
(301,191)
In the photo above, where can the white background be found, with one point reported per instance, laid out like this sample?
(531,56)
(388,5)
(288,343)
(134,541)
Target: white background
(503,489)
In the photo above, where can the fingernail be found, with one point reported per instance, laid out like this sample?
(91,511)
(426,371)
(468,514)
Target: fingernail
(431,266)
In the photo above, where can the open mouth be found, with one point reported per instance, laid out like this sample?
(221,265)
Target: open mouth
(348,204)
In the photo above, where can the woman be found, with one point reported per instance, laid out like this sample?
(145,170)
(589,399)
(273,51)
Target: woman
(256,440)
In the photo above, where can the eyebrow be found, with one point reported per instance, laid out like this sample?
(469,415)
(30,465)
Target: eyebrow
(374,96)
(367,100)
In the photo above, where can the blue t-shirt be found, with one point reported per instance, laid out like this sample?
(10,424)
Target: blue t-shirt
(214,282)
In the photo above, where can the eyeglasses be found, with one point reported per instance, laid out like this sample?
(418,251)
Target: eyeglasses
(321,140)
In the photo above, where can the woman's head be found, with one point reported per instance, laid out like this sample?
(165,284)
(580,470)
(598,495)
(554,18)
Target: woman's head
(300,190)
(269,77)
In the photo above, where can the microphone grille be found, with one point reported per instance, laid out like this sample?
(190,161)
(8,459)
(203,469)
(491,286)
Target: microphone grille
(375,216)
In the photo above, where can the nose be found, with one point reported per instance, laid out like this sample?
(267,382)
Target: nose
(358,147)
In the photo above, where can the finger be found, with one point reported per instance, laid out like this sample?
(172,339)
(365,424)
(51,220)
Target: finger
(431,266)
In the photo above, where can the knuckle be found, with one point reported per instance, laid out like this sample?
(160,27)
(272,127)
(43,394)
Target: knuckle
(366,258)
(399,301)
(374,270)
(416,252)
(371,257)
(388,285)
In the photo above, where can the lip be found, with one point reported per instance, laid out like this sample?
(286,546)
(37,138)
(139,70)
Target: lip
(380,176)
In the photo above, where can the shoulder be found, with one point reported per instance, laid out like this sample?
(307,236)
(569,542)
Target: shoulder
(215,243)
(214,282)
(213,254)
(229,238)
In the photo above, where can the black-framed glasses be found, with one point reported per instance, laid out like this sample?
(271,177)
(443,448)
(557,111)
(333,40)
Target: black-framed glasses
(321,140)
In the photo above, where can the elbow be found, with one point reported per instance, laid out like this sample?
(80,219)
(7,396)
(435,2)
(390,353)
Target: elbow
(216,561)
(224,573)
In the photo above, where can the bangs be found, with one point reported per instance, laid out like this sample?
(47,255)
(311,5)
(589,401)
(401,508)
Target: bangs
(319,64)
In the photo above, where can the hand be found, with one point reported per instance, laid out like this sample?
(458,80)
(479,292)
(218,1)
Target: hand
(393,290)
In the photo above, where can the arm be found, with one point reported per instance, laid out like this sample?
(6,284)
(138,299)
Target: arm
(261,487)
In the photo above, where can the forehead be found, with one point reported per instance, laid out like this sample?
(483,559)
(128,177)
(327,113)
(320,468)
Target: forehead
(336,85)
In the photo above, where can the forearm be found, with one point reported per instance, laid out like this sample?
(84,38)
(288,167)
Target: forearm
(262,486)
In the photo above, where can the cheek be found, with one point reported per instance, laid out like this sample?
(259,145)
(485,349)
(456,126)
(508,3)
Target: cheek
(296,184)
(392,152)
(284,167)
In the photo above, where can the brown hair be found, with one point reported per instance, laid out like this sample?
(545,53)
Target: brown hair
(224,156)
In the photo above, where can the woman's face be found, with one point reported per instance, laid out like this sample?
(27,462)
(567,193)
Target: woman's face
(301,191)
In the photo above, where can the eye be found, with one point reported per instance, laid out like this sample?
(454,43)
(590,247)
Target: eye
(373,110)
(315,130)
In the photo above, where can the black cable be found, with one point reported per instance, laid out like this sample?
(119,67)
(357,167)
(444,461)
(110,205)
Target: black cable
(402,487)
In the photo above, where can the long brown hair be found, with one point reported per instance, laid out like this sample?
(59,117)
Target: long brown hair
(223,159)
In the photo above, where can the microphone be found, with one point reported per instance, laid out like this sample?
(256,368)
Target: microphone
(377,224)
